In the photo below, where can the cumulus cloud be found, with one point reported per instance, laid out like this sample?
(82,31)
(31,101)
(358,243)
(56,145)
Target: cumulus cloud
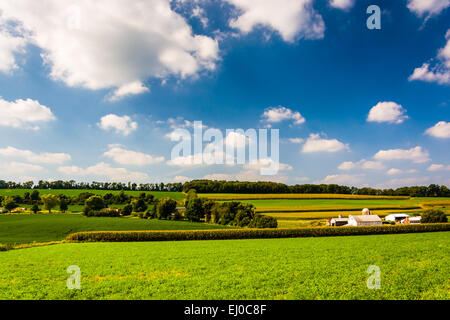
(438,167)
(25,114)
(428,7)
(439,72)
(362,164)
(439,130)
(104,170)
(279,114)
(317,144)
(394,171)
(265,163)
(10,46)
(390,112)
(342,179)
(48,158)
(342,4)
(121,125)
(294,19)
(128,157)
(129,89)
(416,155)
(414,181)
(112,43)
(19,168)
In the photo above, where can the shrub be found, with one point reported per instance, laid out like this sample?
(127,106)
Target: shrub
(182,235)
(102,213)
(433,216)
(95,203)
(127,210)
(261,221)
(139,205)
(9,203)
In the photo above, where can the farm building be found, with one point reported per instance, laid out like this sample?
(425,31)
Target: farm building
(364,220)
(396,217)
(412,220)
(337,222)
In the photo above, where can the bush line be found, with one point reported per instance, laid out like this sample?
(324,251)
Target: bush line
(179,235)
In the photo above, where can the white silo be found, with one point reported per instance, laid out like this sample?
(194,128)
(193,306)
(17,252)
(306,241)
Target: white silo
(365,211)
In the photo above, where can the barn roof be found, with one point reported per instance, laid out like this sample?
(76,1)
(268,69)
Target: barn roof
(366,218)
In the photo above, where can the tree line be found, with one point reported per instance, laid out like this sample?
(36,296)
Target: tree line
(210,186)
(67,185)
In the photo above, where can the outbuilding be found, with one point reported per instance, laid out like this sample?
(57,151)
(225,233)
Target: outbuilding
(396,217)
(337,222)
(364,220)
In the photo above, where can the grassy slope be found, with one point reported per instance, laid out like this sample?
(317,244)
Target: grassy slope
(18,229)
(158,194)
(413,266)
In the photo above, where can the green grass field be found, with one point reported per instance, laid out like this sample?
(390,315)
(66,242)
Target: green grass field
(158,194)
(20,229)
(413,266)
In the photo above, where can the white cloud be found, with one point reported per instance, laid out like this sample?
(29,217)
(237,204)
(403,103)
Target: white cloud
(429,7)
(104,170)
(362,164)
(265,163)
(121,125)
(112,43)
(24,114)
(342,4)
(128,157)
(416,155)
(19,168)
(342,179)
(440,71)
(296,140)
(438,167)
(390,112)
(245,175)
(414,181)
(316,144)
(279,114)
(394,171)
(129,89)
(181,179)
(439,130)
(48,158)
(10,46)
(294,19)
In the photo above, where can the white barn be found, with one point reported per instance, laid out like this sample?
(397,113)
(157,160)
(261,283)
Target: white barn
(396,217)
(364,220)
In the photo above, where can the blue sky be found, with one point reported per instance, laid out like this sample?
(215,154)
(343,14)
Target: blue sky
(92,93)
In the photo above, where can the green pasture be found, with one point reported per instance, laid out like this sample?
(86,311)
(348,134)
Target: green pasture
(413,266)
(20,229)
(158,194)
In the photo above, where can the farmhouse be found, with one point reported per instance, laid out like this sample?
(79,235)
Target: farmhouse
(364,220)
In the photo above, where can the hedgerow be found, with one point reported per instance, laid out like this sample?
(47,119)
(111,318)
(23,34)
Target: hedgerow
(180,235)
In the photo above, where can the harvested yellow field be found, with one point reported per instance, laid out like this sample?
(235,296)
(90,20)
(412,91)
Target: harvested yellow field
(301,196)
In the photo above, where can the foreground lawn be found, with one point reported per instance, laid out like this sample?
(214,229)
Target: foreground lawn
(413,266)
(18,229)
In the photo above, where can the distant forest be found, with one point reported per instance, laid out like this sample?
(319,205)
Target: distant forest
(209,186)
